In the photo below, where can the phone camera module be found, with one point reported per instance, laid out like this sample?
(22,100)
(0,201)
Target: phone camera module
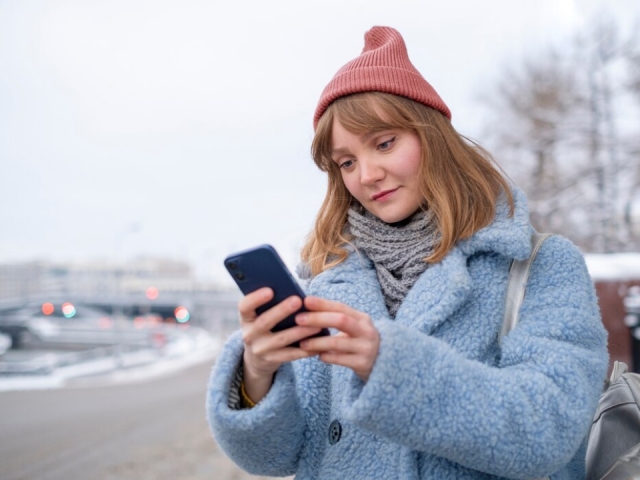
(239,276)
(232,265)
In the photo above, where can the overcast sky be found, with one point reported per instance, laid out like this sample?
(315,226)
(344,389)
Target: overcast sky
(182,128)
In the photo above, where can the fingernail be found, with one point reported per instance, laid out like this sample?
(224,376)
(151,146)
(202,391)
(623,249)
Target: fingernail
(301,318)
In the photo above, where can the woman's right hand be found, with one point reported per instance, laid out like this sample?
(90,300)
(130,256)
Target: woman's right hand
(265,351)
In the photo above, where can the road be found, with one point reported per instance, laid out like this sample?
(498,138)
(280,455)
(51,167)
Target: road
(154,430)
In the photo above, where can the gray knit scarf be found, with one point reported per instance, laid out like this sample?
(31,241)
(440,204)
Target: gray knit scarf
(396,249)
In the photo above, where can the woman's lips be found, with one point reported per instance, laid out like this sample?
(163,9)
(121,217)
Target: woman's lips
(383,195)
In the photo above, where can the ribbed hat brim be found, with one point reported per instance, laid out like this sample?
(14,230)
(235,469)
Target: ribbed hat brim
(381,79)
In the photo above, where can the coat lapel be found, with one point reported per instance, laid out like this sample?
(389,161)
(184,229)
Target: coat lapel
(439,291)
(354,283)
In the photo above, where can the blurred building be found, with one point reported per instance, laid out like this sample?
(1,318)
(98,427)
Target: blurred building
(141,285)
(29,280)
(614,274)
(20,280)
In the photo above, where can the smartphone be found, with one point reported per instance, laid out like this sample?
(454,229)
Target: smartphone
(260,267)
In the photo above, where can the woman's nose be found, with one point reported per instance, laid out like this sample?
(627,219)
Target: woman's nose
(370,173)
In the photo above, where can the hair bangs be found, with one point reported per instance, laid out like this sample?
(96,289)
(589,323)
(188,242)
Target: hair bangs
(358,113)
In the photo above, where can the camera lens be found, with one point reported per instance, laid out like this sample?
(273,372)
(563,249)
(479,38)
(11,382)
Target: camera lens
(239,276)
(232,265)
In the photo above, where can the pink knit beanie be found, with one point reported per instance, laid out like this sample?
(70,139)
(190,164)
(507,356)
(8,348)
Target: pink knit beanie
(383,66)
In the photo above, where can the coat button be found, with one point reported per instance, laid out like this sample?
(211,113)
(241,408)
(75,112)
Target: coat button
(335,432)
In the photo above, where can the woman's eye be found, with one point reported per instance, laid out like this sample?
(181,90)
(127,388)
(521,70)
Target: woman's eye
(346,164)
(387,144)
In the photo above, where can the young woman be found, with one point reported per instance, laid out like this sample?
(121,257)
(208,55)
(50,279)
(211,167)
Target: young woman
(408,265)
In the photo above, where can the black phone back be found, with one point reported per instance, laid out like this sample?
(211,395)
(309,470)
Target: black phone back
(260,267)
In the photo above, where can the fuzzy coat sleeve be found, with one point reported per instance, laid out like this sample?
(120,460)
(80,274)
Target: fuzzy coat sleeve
(525,418)
(253,438)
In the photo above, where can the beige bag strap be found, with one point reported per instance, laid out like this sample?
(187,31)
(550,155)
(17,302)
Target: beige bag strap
(518,277)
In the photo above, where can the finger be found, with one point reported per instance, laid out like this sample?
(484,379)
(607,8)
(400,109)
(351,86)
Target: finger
(288,354)
(355,362)
(341,321)
(281,339)
(321,304)
(337,343)
(279,312)
(248,304)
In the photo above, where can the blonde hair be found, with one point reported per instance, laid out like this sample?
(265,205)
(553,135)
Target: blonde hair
(459,180)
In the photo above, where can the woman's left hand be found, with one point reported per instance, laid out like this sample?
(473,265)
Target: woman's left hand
(357,344)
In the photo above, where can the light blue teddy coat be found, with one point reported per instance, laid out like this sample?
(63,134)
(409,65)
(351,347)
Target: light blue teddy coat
(443,401)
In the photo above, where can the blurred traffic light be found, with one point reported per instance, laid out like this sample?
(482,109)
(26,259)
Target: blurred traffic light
(138,322)
(152,293)
(47,308)
(68,310)
(182,314)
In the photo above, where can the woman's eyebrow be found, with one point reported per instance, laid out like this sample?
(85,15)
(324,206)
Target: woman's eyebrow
(339,151)
(365,137)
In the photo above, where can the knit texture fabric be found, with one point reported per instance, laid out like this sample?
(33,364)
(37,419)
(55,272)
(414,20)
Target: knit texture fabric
(397,250)
(383,66)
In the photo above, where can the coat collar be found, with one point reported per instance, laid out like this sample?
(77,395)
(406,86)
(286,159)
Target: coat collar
(509,236)
(444,286)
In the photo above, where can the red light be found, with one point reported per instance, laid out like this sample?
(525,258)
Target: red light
(182,314)
(138,322)
(152,293)
(47,308)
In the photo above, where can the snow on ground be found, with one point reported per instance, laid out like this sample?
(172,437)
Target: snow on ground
(130,367)
(613,266)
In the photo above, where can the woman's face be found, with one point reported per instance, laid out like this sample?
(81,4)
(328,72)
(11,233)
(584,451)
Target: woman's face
(380,170)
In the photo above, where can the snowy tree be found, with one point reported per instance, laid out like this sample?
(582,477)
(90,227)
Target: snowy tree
(632,202)
(560,130)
